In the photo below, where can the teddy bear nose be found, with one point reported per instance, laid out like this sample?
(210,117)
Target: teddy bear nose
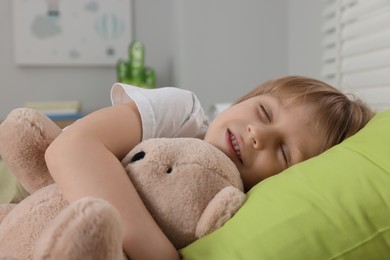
(138,156)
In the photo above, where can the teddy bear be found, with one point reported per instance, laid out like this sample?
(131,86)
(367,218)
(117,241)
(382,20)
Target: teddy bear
(190,188)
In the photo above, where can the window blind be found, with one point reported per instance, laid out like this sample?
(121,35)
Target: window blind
(356,46)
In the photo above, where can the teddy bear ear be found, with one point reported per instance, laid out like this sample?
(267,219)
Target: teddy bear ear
(221,208)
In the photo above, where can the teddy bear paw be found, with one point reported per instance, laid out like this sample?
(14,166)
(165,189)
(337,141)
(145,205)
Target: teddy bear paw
(220,209)
(87,229)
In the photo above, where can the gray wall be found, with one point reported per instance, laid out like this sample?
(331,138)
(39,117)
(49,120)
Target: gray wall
(304,37)
(217,48)
(227,47)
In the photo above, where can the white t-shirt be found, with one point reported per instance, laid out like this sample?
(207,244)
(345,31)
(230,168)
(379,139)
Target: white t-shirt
(165,112)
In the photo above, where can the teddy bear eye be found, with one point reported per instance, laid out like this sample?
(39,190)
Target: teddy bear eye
(138,156)
(169,170)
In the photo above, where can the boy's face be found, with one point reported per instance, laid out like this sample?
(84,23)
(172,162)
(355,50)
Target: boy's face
(263,136)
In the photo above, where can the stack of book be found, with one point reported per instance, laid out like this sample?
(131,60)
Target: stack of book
(63,113)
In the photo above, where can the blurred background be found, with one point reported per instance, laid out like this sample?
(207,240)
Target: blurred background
(220,49)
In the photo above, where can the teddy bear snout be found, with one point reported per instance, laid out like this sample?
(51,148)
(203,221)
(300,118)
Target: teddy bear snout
(138,156)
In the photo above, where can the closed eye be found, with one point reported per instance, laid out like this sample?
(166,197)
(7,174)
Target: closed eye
(284,155)
(265,112)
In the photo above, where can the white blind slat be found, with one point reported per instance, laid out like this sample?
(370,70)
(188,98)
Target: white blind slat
(328,69)
(329,39)
(376,97)
(367,61)
(329,26)
(367,79)
(367,26)
(355,11)
(330,9)
(365,43)
(329,54)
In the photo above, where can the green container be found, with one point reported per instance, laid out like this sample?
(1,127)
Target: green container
(136,62)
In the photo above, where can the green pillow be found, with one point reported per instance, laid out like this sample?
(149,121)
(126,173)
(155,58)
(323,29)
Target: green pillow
(333,206)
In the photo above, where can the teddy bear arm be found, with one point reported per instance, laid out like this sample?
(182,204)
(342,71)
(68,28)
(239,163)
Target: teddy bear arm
(221,208)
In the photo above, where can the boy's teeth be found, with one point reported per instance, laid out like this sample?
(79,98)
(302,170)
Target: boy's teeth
(235,145)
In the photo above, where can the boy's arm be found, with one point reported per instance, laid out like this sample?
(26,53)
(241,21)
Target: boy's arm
(85,161)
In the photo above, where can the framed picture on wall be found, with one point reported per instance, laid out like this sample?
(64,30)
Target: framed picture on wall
(71,32)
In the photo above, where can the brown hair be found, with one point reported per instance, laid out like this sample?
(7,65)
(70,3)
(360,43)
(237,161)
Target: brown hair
(335,114)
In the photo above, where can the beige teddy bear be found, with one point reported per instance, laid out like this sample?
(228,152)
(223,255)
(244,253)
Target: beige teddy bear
(189,186)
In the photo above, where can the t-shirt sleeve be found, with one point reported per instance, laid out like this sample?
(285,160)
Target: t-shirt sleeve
(165,112)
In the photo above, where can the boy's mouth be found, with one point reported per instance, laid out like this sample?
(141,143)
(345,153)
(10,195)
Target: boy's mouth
(234,145)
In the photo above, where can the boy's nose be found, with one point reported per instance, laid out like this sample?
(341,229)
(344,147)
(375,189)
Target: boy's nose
(259,136)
